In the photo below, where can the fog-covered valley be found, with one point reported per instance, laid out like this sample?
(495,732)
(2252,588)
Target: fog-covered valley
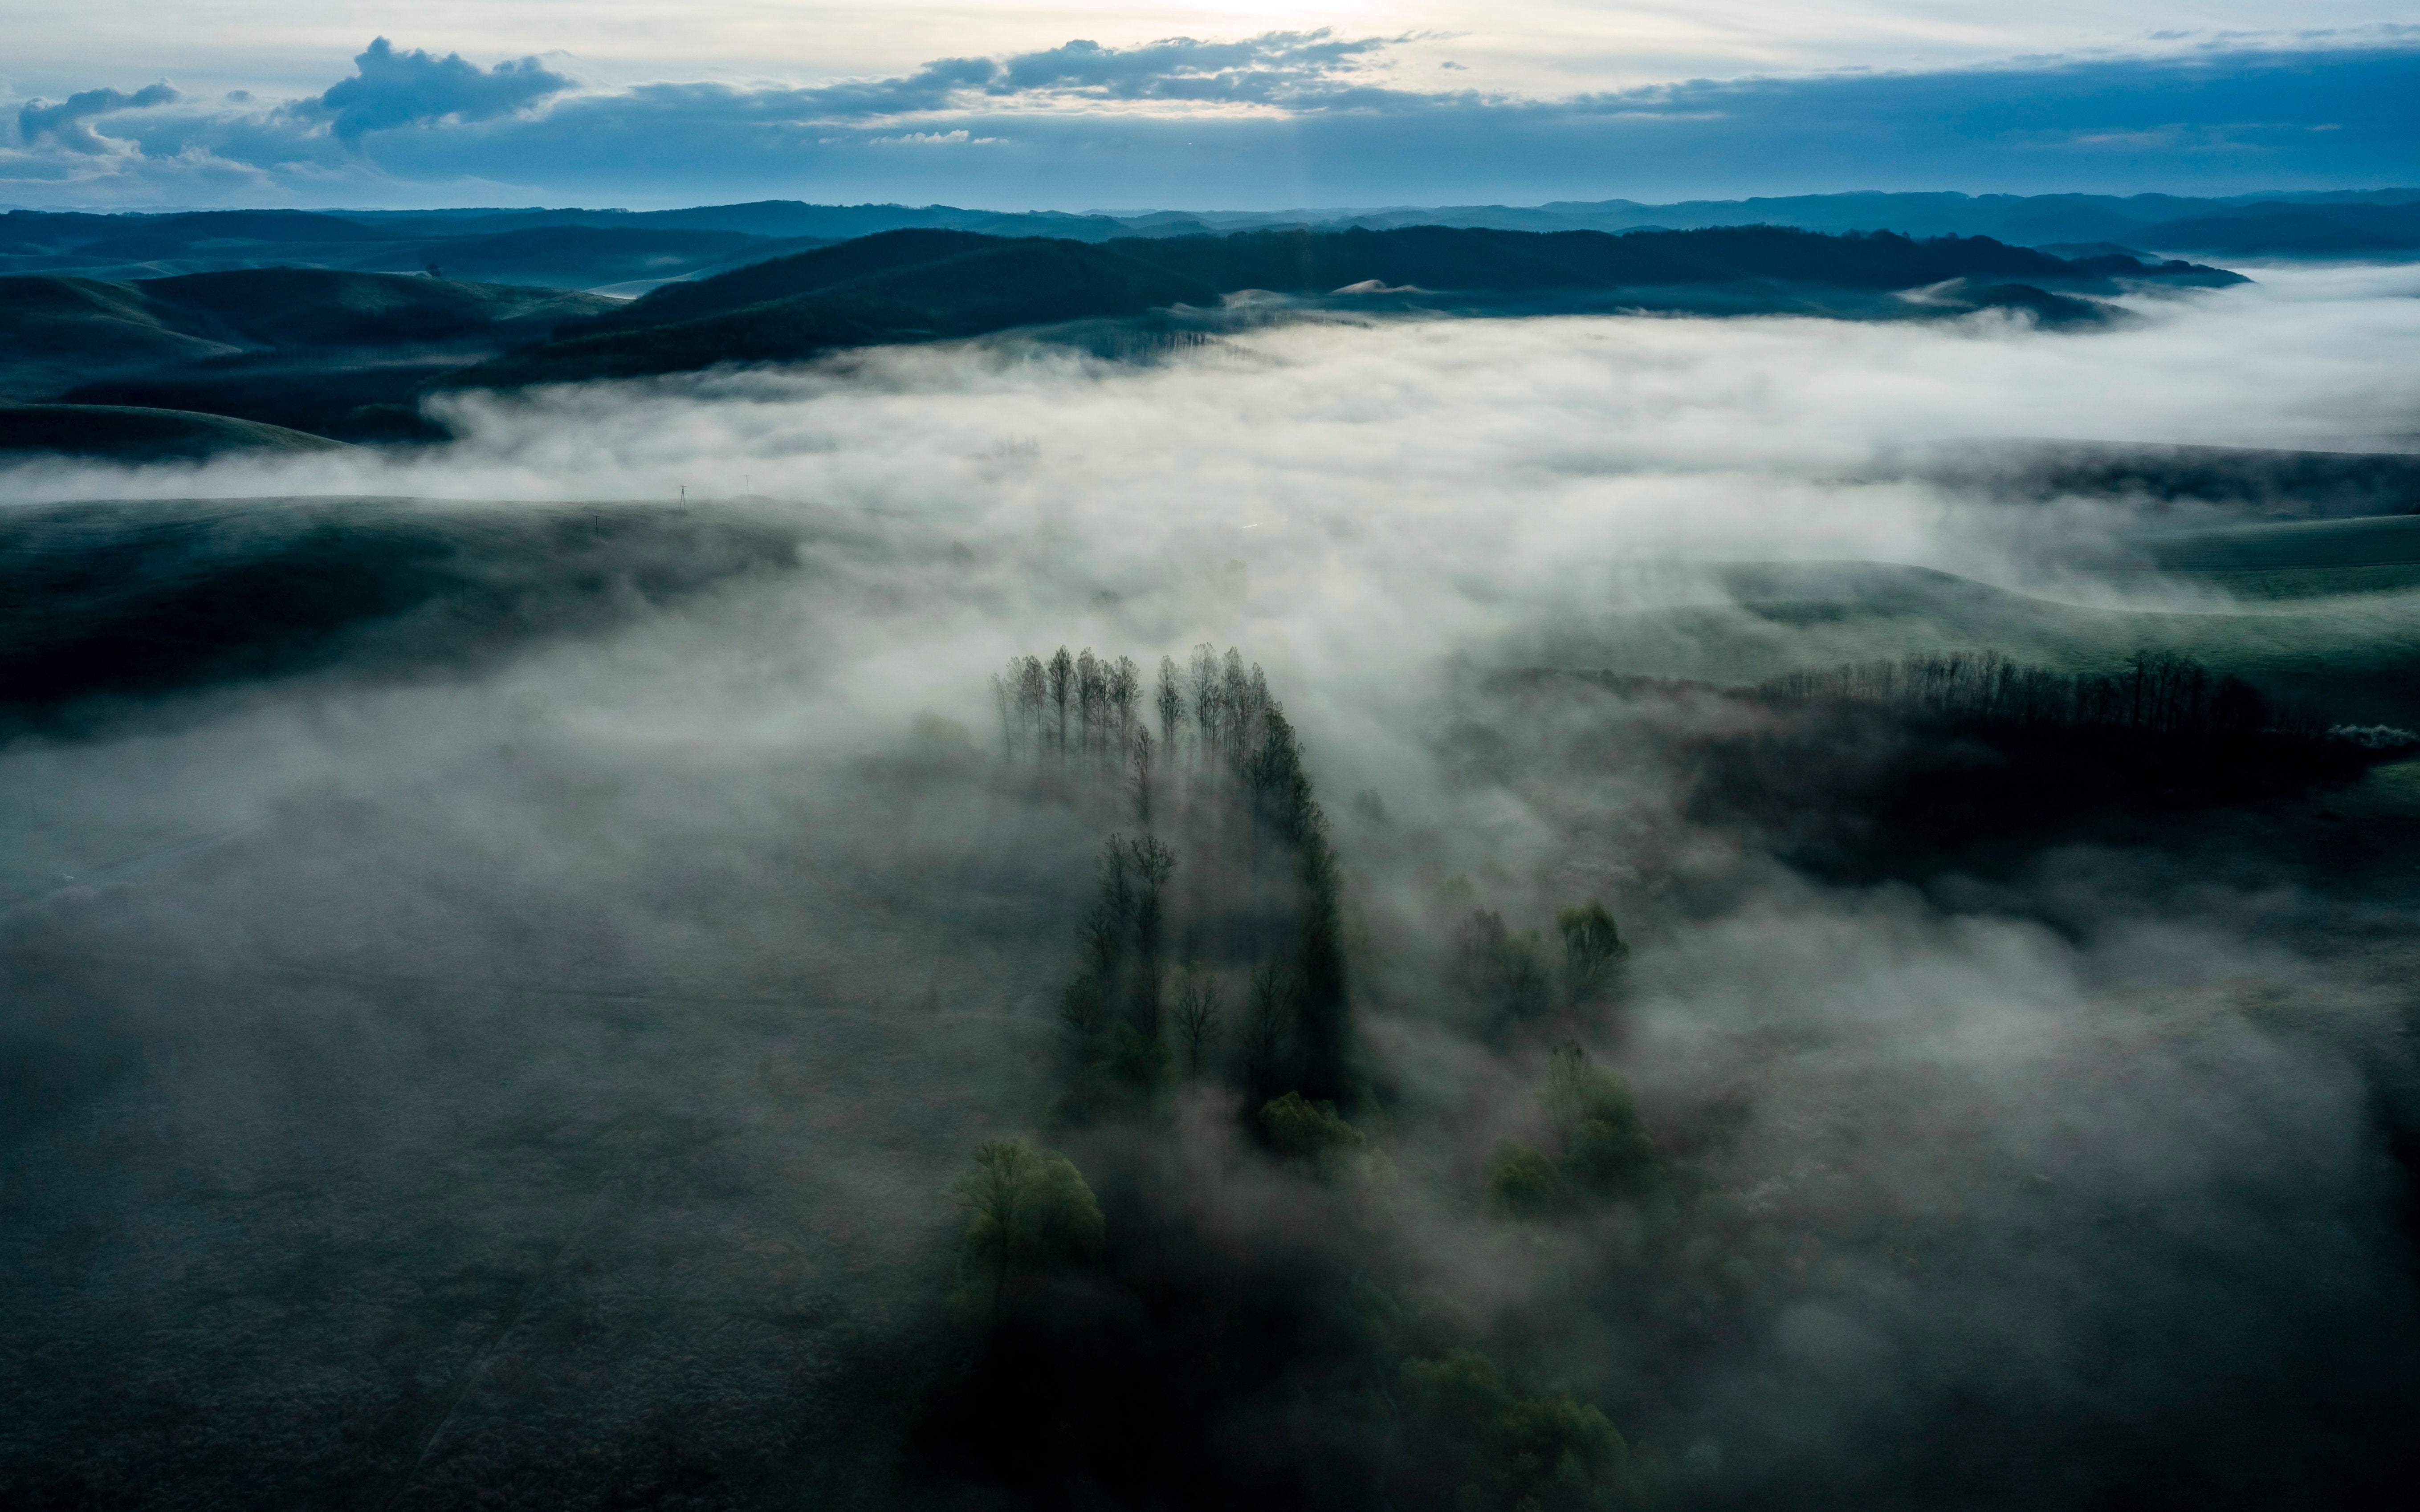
(513,947)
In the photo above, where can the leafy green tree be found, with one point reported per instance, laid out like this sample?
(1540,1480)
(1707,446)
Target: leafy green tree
(1027,1212)
(1510,1448)
(1606,1150)
(1592,948)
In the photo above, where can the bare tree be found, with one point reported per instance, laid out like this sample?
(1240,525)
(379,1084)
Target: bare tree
(1003,698)
(1266,1019)
(1140,783)
(1197,1016)
(1235,709)
(1172,707)
(1032,692)
(1125,692)
(1063,679)
(1089,699)
(1204,675)
(1153,863)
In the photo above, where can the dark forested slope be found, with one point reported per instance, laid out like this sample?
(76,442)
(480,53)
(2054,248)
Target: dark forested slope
(902,286)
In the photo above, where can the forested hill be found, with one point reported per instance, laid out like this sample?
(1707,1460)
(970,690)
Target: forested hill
(923,285)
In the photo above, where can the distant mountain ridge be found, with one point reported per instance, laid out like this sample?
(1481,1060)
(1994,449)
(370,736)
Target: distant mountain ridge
(627,251)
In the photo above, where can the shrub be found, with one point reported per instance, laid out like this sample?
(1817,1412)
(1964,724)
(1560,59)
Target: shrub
(1301,1130)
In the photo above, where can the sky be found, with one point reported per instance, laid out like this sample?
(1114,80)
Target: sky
(135,104)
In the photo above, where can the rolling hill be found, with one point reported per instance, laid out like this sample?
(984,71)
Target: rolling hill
(923,284)
(85,328)
(340,354)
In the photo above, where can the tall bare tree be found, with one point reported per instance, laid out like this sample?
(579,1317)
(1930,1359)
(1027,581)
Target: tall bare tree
(1063,681)
(1089,700)
(1171,705)
(1196,1019)
(1144,782)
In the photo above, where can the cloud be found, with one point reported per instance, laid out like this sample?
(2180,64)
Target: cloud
(66,122)
(931,139)
(391,89)
(1280,119)
(1275,66)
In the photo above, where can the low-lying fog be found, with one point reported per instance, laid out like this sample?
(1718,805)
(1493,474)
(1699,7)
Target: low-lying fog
(540,1075)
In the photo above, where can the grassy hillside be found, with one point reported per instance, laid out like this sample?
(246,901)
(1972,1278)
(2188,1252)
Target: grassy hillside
(288,307)
(341,354)
(130,434)
(85,327)
(55,332)
(2392,540)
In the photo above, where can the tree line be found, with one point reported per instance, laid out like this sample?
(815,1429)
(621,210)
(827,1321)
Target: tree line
(2159,694)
